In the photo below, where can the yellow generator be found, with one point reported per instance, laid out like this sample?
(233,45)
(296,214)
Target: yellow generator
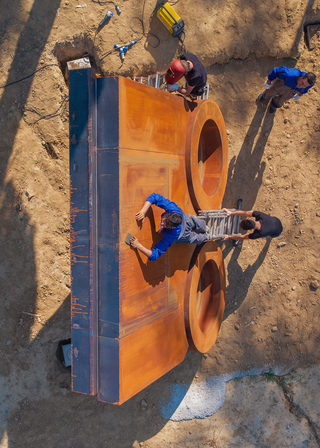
(167,15)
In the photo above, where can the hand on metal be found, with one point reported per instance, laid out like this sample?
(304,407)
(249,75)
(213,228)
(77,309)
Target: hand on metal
(227,211)
(172,87)
(140,216)
(134,242)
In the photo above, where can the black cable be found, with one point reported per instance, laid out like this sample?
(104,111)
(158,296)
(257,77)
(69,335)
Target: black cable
(182,41)
(29,76)
(143,33)
(105,2)
(107,54)
(43,117)
(118,68)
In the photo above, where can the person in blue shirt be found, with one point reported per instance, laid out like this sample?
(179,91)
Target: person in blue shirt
(285,83)
(176,227)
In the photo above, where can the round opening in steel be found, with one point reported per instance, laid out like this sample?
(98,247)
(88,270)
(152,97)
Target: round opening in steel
(210,157)
(208,296)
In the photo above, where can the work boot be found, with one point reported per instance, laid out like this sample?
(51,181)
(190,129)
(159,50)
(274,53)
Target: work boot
(260,97)
(273,107)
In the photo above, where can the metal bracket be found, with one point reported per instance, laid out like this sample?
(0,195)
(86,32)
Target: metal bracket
(307,33)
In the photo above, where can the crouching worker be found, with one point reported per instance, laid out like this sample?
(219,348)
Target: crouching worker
(264,225)
(176,227)
(194,72)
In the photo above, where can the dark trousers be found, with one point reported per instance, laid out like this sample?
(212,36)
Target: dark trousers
(280,91)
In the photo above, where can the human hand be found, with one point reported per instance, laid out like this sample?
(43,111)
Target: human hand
(172,87)
(226,237)
(228,212)
(267,84)
(134,242)
(141,215)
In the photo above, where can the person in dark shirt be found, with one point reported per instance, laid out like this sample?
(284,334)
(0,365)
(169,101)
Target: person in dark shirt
(285,83)
(196,76)
(264,225)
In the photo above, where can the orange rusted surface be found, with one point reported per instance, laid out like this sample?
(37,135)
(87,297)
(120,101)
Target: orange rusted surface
(159,139)
(133,319)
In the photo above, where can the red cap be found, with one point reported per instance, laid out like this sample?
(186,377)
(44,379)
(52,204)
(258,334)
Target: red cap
(175,72)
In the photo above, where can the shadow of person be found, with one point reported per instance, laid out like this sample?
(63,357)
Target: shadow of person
(246,171)
(154,272)
(180,257)
(44,406)
(239,280)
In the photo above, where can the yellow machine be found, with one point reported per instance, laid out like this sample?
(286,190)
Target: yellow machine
(167,15)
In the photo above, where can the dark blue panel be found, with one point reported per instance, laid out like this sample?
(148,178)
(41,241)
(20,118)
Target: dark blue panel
(107,92)
(79,194)
(108,370)
(108,196)
(80,274)
(81,374)
(108,284)
(108,329)
(78,103)
(83,367)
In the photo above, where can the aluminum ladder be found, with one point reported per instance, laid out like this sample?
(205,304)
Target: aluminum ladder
(219,224)
(157,81)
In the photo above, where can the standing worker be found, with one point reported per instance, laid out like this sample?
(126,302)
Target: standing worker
(264,225)
(176,227)
(285,83)
(189,66)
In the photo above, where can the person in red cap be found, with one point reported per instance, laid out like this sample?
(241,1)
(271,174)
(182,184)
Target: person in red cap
(192,69)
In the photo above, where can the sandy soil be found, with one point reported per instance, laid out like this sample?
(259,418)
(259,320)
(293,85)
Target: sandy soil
(272,301)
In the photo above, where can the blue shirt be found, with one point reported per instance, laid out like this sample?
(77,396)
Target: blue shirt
(169,235)
(290,77)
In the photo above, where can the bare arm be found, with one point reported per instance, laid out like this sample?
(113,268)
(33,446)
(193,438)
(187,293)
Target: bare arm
(136,245)
(236,237)
(142,213)
(237,212)
(185,90)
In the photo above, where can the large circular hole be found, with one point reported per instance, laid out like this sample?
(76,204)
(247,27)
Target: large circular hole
(208,296)
(210,157)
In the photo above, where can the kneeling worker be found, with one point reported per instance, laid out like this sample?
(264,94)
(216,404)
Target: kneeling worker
(176,227)
(189,66)
(263,226)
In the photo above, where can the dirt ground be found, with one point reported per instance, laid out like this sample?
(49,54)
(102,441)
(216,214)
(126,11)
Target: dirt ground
(272,301)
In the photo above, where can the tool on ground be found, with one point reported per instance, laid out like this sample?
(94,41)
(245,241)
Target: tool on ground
(170,19)
(316,27)
(118,9)
(124,48)
(106,17)
(219,224)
